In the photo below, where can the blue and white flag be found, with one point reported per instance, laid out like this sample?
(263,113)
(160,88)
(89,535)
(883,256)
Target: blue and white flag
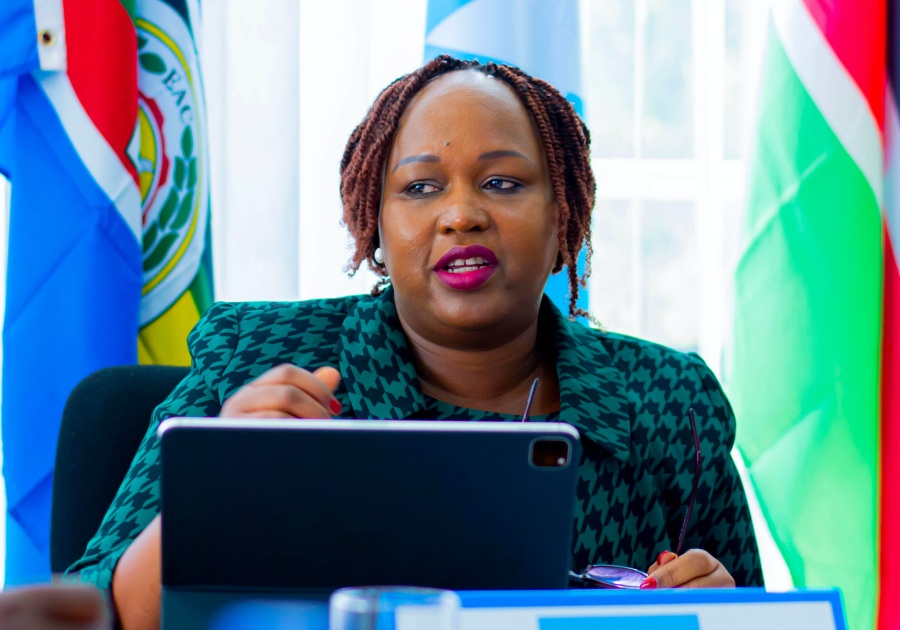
(103,136)
(539,36)
(73,285)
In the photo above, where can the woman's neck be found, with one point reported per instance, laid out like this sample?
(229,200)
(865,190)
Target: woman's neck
(497,379)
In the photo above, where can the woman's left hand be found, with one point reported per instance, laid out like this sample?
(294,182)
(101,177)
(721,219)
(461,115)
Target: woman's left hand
(694,568)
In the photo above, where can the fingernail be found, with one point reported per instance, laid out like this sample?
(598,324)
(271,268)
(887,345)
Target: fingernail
(335,405)
(649,583)
(660,557)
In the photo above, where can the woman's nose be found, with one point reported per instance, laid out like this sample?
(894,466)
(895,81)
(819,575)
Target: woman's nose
(464,212)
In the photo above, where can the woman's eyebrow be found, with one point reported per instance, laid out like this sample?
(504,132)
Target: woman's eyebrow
(425,157)
(493,155)
(490,155)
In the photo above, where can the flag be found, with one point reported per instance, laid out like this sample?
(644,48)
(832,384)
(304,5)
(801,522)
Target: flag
(889,530)
(807,347)
(103,138)
(173,165)
(542,38)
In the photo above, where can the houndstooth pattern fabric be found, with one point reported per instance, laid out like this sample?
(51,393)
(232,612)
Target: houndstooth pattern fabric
(628,398)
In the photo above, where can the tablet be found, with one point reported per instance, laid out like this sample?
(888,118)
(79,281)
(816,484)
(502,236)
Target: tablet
(315,505)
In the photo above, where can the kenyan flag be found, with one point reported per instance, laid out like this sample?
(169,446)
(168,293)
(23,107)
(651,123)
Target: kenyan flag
(815,374)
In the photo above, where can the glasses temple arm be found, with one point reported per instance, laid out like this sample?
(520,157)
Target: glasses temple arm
(690,507)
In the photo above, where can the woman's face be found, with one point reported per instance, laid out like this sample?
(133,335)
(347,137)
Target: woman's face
(468,222)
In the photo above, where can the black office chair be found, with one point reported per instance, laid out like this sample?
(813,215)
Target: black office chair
(103,423)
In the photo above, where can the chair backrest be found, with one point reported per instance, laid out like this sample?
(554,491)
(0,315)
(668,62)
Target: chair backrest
(103,423)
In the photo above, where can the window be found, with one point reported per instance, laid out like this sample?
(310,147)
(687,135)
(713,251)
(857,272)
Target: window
(665,93)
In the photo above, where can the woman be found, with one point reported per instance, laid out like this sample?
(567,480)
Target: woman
(466,185)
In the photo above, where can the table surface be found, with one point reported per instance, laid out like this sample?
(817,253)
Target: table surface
(677,609)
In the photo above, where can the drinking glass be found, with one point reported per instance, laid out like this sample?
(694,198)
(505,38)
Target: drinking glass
(393,608)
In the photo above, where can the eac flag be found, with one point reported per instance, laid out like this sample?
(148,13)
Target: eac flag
(103,137)
(538,36)
(816,380)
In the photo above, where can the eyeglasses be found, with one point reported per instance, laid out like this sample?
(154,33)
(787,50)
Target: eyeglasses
(618,577)
(613,576)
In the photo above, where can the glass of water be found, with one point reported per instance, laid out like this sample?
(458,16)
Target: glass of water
(393,608)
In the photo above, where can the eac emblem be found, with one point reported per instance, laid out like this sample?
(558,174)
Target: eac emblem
(172,160)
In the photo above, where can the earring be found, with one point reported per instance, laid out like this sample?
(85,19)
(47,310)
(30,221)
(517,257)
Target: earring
(378,257)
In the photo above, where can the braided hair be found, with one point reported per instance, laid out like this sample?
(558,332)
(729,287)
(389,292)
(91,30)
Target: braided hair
(564,137)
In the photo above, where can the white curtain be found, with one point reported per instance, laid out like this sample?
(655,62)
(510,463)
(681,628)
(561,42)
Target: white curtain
(286,83)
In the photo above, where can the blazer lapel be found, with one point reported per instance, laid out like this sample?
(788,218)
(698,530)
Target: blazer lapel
(591,388)
(375,361)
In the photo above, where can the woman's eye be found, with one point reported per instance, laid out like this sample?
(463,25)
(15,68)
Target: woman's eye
(420,189)
(504,185)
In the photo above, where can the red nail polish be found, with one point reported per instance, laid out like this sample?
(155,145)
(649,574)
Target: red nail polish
(335,405)
(649,583)
(660,557)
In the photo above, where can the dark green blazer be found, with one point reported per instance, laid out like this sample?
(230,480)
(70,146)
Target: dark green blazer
(628,398)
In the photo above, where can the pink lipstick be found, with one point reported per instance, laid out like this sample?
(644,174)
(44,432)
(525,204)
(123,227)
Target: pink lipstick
(466,268)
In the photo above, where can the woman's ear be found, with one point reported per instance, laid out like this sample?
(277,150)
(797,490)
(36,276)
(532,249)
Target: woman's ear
(558,265)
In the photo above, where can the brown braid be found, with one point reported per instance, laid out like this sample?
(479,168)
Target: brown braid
(565,139)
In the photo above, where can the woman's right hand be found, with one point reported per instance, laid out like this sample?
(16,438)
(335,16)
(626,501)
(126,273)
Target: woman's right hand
(286,391)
